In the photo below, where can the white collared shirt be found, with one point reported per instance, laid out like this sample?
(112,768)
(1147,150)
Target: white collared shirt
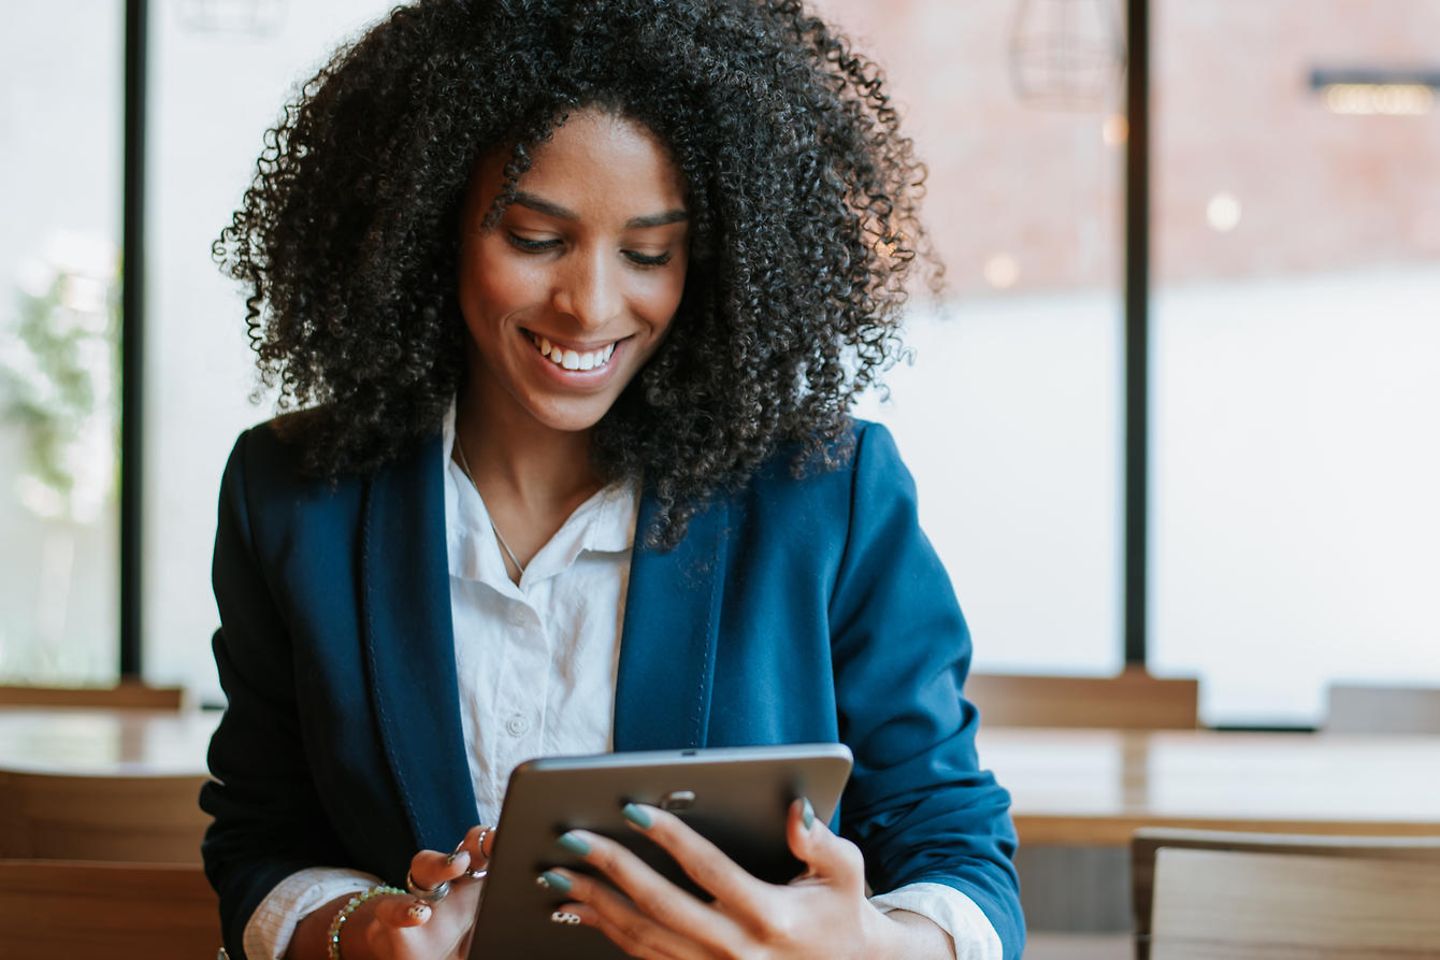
(522,652)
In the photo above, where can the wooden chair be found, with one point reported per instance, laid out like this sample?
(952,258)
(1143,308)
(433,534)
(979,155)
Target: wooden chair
(126,695)
(51,909)
(1080,889)
(143,819)
(1133,700)
(1235,895)
(1352,708)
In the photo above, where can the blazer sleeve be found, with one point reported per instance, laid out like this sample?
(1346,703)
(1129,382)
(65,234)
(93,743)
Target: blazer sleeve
(268,820)
(918,804)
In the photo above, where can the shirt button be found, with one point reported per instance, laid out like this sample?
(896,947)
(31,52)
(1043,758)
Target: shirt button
(518,617)
(517,725)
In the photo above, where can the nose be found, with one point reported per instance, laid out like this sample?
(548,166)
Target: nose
(588,289)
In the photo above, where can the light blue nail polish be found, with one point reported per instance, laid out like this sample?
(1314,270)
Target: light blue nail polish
(574,844)
(637,815)
(553,881)
(807,813)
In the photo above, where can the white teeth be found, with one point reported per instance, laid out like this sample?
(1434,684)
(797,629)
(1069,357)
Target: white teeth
(572,359)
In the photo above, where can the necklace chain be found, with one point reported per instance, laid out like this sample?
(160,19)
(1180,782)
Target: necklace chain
(465,466)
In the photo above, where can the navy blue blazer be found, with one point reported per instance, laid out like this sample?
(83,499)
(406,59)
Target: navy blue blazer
(795,610)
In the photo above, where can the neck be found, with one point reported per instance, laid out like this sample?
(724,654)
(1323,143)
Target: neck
(522,467)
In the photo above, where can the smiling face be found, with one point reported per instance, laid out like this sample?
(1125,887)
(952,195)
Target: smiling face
(572,290)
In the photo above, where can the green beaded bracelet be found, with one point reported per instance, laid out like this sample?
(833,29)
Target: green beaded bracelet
(338,923)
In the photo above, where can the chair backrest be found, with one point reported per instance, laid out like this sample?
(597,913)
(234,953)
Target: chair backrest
(126,695)
(1352,708)
(120,911)
(1210,904)
(1235,890)
(1133,700)
(144,819)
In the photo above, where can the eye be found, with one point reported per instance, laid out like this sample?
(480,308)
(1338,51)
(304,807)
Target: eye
(531,246)
(646,260)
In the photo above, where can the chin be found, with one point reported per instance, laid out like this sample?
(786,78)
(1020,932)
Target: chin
(568,419)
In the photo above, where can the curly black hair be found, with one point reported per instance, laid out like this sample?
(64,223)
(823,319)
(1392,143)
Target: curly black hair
(803,196)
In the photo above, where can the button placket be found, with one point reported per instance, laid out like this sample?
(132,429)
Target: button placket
(525,643)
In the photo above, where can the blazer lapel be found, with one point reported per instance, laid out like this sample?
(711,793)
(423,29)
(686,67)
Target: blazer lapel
(667,646)
(409,645)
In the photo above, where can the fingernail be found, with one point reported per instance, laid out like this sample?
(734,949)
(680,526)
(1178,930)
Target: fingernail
(551,880)
(807,813)
(574,844)
(565,917)
(419,912)
(637,815)
(456,855)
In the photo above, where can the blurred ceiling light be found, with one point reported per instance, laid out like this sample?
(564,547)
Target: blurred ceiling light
(1115,130)
(1067,54)
(1002,271)
(1223,212)
(1387,92)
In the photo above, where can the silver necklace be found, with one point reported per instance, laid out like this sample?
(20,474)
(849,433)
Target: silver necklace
(465,466)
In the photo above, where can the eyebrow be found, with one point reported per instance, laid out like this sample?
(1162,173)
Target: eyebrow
(541,205)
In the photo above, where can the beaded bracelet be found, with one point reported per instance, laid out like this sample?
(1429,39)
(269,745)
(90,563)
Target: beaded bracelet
(338,923)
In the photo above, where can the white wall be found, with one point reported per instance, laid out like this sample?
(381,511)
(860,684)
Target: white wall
(1296,479)
(1010,420)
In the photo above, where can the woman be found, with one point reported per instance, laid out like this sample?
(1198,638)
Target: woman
(577,296)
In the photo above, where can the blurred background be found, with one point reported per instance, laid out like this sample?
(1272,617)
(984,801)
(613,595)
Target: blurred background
(1295,323)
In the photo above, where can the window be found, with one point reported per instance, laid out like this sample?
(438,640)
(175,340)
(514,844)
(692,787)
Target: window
(1296,350)
(220,73)
(1010,415)
(60,178)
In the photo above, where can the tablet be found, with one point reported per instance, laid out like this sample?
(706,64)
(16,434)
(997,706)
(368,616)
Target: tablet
(738,797)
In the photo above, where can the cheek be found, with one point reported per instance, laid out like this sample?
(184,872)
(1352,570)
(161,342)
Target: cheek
(492,287)
(662,298)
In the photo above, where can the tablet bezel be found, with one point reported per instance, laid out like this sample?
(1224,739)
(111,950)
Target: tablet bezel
(742,799)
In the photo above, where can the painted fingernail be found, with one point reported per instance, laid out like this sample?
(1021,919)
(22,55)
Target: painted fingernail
(551,880)
(565,917)
(637,815)
(807,813)
(574,844)
(419,912)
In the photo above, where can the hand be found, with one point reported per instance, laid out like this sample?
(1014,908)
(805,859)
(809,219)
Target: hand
(821,913)
(407,928)
(404,927)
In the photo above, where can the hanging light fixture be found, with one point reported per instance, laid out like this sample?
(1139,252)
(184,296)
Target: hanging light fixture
(1066,54)
(252,17)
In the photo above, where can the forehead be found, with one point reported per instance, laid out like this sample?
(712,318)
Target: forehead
(602,166)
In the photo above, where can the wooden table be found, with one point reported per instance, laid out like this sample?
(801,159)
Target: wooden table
(1095,787)
(1070,787)
(131,743)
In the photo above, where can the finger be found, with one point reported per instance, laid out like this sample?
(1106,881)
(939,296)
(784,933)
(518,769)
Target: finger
(399,912)
(702,861)
(826,856)
(478,843)
(652,894)
(430,868)
(619,920)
